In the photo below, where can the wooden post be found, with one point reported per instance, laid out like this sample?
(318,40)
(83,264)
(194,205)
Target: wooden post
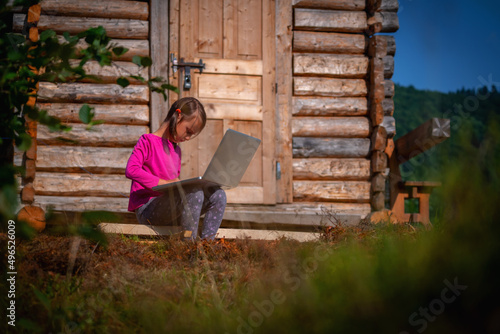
(377,50)
(159,54)
(29,159)
(284,36)
(33,215)
(381,17)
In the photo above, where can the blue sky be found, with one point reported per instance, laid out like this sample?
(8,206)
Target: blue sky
(445,45)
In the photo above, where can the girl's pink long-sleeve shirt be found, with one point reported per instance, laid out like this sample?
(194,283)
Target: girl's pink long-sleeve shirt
(152,159)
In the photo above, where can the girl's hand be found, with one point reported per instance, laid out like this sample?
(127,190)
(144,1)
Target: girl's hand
(161,181)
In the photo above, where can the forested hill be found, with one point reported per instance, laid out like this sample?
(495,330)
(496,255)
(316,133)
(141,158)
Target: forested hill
(470,110)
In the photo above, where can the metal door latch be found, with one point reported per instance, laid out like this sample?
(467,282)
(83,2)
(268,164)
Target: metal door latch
(187,69)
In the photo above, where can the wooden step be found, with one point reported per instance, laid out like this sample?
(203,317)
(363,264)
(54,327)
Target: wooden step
(226,233)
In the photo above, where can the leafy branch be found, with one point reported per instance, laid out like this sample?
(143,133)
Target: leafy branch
(24,63)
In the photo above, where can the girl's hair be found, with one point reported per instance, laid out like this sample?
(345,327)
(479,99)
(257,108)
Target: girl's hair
(189,107)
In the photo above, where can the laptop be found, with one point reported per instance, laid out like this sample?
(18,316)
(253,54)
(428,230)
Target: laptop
(228,164)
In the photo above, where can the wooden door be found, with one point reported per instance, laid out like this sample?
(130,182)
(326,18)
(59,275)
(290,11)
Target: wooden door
(235,39)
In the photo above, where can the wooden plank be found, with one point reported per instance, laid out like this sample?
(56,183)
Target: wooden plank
(174,45)
(378,182)
(377,46)
(422,184)
(129,114)
(384,22)
(249,195)
(92,93)
(81,184)
(305,213)
(136,47)
(421,139)
(211,135)
(232,111)
(389,88)
(331,169)
(109,74)
(230,87)
(115,28)
(379,162)
(330,65)
(28,191)
(341,106)
(340,127)
(266,234)
(207,25)
(379,138)
(83,203)
(330,20)
(377,93)
(293,215)
(331,4)
(284,37)
(139,229)
(373,6)
(301,213)
(226,233)
(388,106)
(346,191)
(389,124)
(253,176)
(95,8)
(269,101)
(249,28)
(391,45)
(304,147)
(388,6)
(82,159)
(378,201)
(329,87)
(159,55)
(388,67)
(232,66)
(100,135)
(329,42)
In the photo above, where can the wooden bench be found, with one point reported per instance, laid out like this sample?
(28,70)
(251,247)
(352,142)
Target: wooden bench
(419,190)
(417,141)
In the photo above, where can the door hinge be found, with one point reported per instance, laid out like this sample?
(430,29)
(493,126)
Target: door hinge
(276,89)
(278,170)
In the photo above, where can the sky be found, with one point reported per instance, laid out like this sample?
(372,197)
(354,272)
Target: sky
(446,45)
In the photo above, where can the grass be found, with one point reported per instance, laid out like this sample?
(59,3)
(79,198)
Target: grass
(366,279)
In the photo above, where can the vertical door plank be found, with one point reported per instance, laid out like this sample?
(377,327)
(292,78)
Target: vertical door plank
(269,100)
(208,141)
(159,37)
(209,26)
(284,17)
(249,29)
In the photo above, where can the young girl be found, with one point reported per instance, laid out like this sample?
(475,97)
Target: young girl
(156,160)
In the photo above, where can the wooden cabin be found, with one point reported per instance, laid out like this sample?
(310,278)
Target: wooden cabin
(311,78)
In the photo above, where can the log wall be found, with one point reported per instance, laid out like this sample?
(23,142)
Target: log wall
(341,92)
(334,100)
(84,169)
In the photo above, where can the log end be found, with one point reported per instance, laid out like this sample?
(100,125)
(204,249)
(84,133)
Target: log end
(383,216)
(34,216)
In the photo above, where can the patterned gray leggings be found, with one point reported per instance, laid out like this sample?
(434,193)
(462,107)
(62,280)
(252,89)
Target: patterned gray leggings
(183,207)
